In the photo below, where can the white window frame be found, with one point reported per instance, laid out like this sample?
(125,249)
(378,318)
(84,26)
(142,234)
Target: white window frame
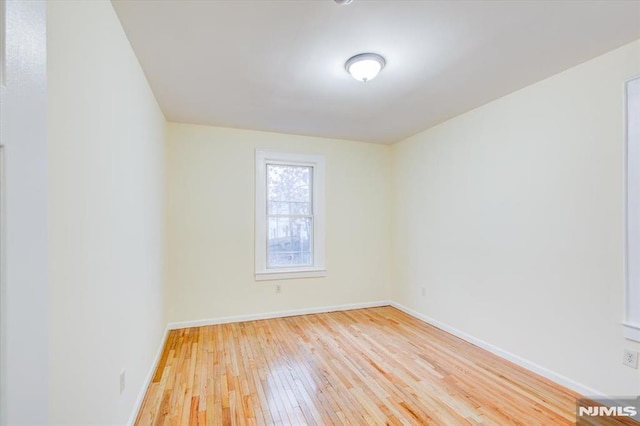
(632,131)
(318,204)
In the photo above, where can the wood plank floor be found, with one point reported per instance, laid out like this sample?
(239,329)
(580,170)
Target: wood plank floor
(373,366)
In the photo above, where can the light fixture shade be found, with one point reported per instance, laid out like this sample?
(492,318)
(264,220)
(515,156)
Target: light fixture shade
(365,66)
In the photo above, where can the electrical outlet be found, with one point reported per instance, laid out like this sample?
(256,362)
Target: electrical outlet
(278,289)
(122,382)
(423,291)
(630,358)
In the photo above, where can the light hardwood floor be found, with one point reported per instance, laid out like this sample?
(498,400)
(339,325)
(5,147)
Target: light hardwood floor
(372,366)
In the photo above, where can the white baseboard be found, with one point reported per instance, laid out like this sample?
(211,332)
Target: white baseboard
(278,314)
(147,381)
(531,366)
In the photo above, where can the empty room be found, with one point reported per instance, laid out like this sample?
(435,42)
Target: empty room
(319,212)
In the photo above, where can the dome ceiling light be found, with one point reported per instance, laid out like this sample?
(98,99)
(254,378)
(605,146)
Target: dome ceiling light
(365,66)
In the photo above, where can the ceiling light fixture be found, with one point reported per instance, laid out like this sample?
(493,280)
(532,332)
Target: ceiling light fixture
(365,66)
(343,1)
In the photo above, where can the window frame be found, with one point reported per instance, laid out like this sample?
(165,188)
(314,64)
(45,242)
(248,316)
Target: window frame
(317,269)
(631,323)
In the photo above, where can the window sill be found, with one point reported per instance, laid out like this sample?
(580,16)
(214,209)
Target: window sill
(631,331)
(284,274)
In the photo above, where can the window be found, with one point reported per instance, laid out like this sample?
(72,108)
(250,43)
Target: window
(289,215)
(632,323)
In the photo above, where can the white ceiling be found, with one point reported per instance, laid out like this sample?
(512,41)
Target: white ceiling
(279,65)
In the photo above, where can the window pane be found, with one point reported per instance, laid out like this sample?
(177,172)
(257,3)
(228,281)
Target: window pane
(289,190)
(289,242)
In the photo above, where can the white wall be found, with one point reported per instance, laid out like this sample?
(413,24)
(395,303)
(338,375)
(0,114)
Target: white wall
(106,183)
(211,224)
(25,292)
(512,218)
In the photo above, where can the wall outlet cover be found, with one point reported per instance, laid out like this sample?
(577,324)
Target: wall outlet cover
(630,358)
(122,381)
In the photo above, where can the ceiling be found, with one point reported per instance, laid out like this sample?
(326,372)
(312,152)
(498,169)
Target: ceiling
(278,65)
